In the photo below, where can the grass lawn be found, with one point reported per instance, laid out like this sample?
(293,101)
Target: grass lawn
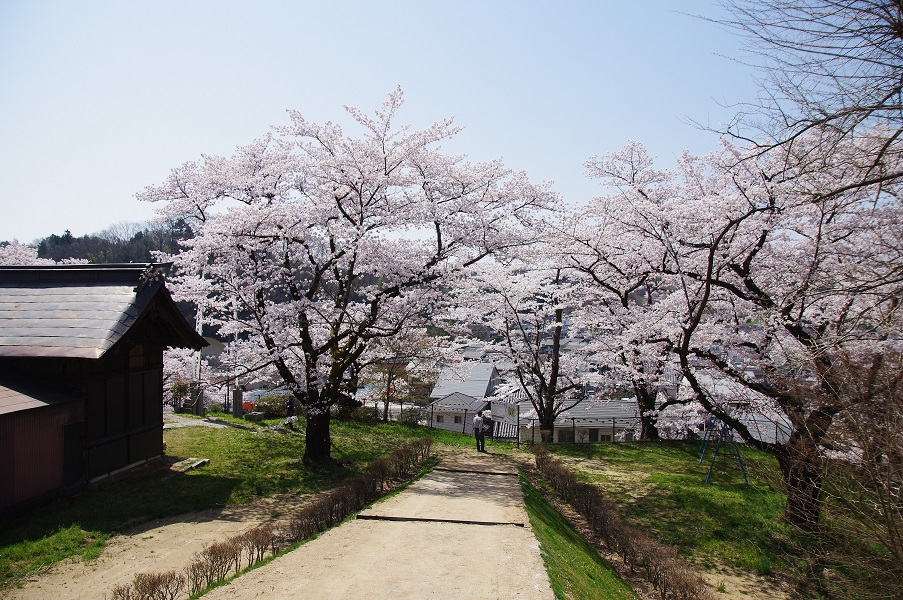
(575,568)
(246,461)
(660,487)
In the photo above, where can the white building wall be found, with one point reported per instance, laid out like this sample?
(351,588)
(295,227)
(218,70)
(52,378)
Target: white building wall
(583,434)
(447,422)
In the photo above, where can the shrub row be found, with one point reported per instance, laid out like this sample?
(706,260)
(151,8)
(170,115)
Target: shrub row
(219,560)
(410,415)
(357,492)
(212,564)
(152,586)
(659,564)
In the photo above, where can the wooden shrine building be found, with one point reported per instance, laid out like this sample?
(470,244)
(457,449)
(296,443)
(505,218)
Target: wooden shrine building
(81,373)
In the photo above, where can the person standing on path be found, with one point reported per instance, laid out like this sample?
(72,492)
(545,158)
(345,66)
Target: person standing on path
(478,431)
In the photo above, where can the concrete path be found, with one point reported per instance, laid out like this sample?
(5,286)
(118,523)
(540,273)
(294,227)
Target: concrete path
(459,532)
(174,421)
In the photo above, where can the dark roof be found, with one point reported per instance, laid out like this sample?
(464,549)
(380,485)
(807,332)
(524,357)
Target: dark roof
(81,311)
(16,396)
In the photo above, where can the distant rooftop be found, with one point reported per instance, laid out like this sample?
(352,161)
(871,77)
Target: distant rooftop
(474,379)
(459,402)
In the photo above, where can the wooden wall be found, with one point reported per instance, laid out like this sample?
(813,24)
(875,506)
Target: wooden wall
(118,423)
(124,411)
(32,447)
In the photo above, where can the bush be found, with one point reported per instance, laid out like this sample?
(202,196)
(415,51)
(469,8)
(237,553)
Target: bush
(381,470)
(196,573)
(253,544)
(411,416)
(221,557)
(272,405)
(121,592)
(179,392)
(366,414)
(345,408)
(151,586)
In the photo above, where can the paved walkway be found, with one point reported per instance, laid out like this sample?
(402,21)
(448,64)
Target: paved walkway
(459,532)
(174,421)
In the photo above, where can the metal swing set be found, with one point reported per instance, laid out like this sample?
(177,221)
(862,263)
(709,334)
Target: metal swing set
(721,437)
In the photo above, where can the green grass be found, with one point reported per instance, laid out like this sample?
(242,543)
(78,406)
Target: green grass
(575,568)
(660,487)
(246,462)
(22,559)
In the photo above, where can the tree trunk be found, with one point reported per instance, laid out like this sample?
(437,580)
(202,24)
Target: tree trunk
(648,419)
(803,484)
(318,443)
(648,428)
(547,428)
(387,395)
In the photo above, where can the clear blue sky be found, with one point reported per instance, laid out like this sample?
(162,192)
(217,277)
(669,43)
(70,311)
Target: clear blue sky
(100,99)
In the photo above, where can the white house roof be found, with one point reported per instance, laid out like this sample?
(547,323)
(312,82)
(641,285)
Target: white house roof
(458,402)
(589,413)
(474,379)
(604,410)
(474,352)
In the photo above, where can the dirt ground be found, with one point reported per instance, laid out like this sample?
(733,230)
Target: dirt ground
(492,555)
(155,546)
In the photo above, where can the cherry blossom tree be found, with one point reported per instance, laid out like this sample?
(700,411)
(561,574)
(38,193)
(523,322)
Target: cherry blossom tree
(310,245)
(17,253)
(772,274)
(625,287)
(395,365)
(531,311)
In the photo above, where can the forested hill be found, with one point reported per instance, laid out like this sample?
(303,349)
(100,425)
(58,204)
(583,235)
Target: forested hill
(119,243)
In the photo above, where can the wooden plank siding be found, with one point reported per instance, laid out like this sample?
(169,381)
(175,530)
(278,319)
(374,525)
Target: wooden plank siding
(124,421)
(32,446)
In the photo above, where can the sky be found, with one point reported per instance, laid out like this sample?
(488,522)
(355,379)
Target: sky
(99,99)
